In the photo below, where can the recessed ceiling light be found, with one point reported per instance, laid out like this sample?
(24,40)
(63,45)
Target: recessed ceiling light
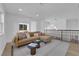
(37,14)
(20,9)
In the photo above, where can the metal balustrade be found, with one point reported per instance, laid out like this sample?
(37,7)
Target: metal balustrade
(65,35)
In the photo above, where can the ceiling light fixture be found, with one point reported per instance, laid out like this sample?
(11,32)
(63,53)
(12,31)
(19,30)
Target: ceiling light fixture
(20,9)
(42,4)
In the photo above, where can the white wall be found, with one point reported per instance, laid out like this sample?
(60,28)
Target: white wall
(12,24)
(62,24)
(2,37)
(33,26)
(59,23)
(72,24)
(2,43)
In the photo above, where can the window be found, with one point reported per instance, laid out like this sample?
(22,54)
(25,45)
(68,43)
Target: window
(1,23)
(24,26)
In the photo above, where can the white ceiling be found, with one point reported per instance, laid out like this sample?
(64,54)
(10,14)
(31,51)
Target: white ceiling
(44,10)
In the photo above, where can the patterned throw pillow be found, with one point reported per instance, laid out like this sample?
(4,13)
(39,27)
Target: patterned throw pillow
(22,35)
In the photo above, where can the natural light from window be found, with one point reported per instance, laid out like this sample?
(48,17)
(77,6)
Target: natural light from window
(1,23)
(52,27)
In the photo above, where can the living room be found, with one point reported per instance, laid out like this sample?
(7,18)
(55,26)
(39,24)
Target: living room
(38,17)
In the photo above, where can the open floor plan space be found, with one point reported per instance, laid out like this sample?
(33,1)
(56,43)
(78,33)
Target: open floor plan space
(39,29)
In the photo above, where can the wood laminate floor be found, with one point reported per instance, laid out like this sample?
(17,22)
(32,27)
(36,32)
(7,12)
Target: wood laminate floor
(73,50)
(8,50)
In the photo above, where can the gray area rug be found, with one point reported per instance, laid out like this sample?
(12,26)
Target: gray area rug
(55,48)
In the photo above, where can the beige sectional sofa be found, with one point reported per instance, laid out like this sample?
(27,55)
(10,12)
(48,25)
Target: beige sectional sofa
(22,38)
(45,38)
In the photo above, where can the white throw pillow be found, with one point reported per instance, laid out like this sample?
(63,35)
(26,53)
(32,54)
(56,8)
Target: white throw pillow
(27,34)
(36,34)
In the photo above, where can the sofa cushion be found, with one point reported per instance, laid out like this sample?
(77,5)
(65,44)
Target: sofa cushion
(21,35)
(36,34)
(45,38)
(31,34)
(28,35)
